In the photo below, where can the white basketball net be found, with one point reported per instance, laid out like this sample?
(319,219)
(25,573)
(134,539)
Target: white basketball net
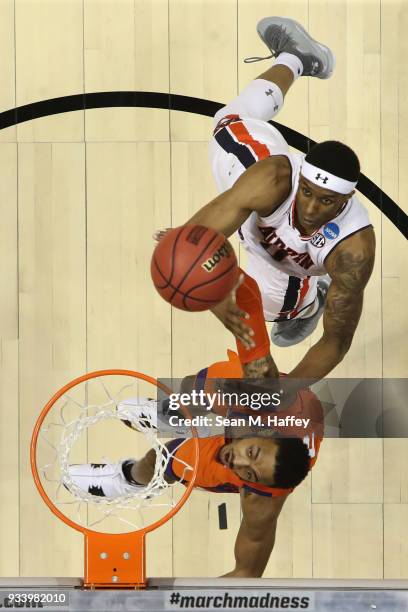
(157,493)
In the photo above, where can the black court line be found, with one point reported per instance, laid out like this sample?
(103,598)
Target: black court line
(186,104)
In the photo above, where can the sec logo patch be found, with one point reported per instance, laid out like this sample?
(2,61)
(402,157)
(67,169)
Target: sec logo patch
(318,241)
(331,230)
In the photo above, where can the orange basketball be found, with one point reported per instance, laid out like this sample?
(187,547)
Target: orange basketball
(194,267)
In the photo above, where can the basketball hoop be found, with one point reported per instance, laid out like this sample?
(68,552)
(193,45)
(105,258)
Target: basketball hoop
(111,559)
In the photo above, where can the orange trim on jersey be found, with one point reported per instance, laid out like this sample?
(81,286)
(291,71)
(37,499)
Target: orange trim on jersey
(225,121)
(244,137)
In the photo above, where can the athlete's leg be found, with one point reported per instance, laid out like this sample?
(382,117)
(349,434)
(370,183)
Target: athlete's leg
(281,75)
(263,97)
(113,479)
(141,471)
(296,53)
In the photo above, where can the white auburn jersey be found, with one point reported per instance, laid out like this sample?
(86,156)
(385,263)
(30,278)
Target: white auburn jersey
(284,263)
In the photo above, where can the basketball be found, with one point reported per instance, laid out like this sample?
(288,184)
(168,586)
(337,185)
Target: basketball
(194,267)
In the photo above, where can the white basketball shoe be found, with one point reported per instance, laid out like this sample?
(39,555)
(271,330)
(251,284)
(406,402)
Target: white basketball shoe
(143,408)
(103,479)
(157,414)
(152,414)
(281,34)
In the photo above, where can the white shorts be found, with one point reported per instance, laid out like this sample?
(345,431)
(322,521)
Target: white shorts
(284,297)
(243,142)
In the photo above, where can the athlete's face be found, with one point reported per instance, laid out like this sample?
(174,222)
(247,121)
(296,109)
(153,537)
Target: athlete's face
(315,205)
(252,459)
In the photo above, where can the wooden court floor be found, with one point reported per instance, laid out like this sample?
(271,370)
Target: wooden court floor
(80,196)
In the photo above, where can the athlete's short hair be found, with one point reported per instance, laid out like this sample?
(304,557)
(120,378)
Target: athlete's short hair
(292,463)
(336,158)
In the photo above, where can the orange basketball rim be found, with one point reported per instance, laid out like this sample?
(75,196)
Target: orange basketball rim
(111,560)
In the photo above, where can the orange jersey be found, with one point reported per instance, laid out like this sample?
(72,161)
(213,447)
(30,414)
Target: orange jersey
(306,404)
(212,475)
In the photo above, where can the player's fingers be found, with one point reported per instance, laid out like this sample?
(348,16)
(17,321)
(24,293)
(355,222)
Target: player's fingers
(237,312)
(248,343)
(237,285)
(239,281)
(158,235)
(238,336)
(237,322)
(242,332)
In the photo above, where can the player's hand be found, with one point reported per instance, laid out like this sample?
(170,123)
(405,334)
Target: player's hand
(232,317)
(158,235)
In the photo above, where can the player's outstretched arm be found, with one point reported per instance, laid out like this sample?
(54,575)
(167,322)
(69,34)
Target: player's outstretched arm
(350,266)
(262,188)
(256,535)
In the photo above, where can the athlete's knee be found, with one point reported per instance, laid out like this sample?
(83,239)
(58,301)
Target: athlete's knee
(261,99)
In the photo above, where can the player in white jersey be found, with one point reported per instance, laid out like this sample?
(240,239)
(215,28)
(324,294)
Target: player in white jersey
(297,217)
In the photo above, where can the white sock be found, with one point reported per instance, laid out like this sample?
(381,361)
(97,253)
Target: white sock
(290,61)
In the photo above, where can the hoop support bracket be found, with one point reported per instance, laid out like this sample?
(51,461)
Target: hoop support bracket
(115,560)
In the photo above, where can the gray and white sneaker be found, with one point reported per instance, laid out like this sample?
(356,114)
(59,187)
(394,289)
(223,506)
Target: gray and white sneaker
(283,34)
(288,333)
(103,479)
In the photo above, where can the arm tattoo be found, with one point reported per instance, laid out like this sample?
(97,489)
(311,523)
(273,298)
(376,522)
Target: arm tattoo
(351,270)
(350,273)
(261,368)
(342,313)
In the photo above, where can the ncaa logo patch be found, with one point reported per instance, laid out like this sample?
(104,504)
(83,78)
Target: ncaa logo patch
(331,230)
(318,241)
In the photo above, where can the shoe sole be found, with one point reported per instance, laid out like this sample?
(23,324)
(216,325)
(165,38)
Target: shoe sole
(296,30)
(278,340)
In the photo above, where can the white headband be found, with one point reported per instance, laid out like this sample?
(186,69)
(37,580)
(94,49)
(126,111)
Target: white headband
(325,179)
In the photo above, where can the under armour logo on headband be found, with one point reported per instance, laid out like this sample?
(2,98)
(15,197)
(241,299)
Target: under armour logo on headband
(331,181)
(324,179)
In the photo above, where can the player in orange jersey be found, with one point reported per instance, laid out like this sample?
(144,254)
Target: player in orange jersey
(263,468)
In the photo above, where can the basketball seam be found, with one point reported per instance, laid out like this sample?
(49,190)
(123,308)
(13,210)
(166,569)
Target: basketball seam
(194,263)
(186,295)
(179,291)
(173,248)
(168,283)
(176,290)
